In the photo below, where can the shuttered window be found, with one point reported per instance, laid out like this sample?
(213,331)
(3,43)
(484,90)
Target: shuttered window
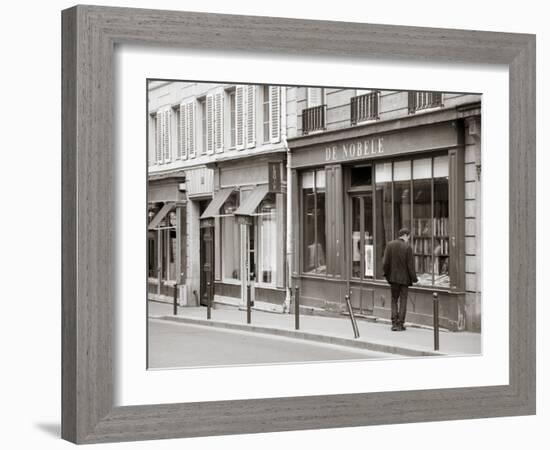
(210,124)
(218,121)
(250,116)
(239,110)
(166,130)
(315,97)
(182,132)
(158,138)
(275,113)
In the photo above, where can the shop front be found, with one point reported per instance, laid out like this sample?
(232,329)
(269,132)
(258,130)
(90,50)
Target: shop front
(166,234)
(353,189)
(246,218)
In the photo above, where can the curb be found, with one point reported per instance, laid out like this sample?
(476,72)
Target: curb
(364,345)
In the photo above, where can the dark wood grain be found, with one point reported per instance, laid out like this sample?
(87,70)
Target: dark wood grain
(89,36)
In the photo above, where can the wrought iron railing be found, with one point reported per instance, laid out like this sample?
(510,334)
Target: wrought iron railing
(314,119)
(424,100)
(364,107)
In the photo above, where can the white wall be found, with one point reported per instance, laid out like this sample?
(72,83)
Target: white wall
(30,262)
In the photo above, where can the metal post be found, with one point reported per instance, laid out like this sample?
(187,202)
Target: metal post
(436,321)
(209,301)
(296,307)
(248,304)
(176,299)
(352,316)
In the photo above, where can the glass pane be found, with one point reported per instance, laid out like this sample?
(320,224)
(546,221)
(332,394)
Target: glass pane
(321,238)
(441,166)
(383,172)
(307,180)
(422,230)
(368,238)
(361,176)
(383,222)
(231,239)
(320,181)
(422,168)
(308,202)
(401,205)
(267,236)
(356,237)
(441,232)
(401,170)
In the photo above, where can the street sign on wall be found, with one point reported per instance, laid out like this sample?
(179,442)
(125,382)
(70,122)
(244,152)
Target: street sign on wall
(274,183)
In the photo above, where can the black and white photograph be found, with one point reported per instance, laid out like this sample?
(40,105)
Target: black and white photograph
(299,224)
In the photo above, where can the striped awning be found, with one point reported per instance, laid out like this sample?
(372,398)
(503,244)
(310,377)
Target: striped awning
(160,215)
(220,197)
(255,197)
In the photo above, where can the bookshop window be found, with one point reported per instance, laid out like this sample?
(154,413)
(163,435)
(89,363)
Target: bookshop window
(416,191)
(313,210)
(383,217)
(267,239)
(231,239)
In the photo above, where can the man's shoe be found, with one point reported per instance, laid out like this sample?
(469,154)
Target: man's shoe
(402,328)
(395,328)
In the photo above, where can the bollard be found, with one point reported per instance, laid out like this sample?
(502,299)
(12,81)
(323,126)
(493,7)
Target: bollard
(352,316)
(175,299)
(208,301)
(436,321)
(297,307)
(248,305)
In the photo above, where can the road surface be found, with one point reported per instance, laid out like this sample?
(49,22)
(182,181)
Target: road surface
(184,345)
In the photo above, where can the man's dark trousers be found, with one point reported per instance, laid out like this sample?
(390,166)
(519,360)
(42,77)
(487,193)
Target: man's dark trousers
(399,294)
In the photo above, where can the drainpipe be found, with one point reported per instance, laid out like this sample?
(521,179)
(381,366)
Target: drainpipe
(289,217)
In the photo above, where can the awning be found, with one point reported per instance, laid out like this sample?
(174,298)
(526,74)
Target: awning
(218,200)
(248,207)
(160,215)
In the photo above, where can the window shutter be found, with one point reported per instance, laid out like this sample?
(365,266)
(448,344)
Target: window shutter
(250,116)
(190,127)
(239,113)
(182,127)
(167,116)
(275,113)
(210,124)
(158,138)
(218,123)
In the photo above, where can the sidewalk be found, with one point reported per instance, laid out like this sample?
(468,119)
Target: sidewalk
(374,336)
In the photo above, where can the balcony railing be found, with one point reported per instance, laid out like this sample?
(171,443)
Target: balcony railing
(314,119)
(364,107)
(424,100)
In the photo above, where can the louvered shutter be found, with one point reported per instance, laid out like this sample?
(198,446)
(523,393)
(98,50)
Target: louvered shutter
(166,137)
(218,121)
(182,133)
(239,117)
(158,138)
(190,127)
(210,124)
(275,113)
(250,116)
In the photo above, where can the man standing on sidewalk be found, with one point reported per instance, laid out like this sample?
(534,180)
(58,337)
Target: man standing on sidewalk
(399,272)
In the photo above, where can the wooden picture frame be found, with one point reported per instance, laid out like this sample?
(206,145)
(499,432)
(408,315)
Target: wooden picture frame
(89,37)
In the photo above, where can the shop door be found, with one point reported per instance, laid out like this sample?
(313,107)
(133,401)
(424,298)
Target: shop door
(206,260)
(362,252)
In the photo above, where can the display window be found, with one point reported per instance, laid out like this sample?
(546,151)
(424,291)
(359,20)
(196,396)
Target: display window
(313,210)
(231,239)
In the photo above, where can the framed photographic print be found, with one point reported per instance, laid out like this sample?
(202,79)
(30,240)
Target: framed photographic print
(262,227)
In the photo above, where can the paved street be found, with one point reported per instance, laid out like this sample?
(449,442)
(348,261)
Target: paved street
(183,345)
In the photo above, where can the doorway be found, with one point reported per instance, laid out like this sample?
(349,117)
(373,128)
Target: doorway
(206,259)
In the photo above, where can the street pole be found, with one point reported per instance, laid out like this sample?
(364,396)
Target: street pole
(352,316)
(436,321)
(208,301)
(297,307)
(176,299)
(248,304)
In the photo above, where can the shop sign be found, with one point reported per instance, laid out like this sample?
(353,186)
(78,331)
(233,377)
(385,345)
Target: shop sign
(399,142)
(274,182)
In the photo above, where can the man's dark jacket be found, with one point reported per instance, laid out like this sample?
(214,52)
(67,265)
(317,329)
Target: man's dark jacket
(399,263)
